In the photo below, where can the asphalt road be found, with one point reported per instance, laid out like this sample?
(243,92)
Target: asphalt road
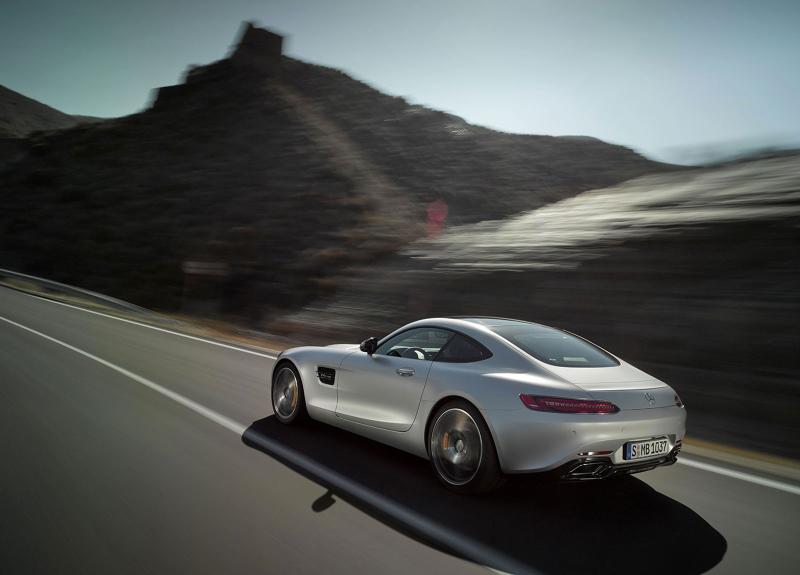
(126,449)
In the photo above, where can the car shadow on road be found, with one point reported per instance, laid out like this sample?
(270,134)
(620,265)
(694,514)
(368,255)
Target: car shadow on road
(618,526)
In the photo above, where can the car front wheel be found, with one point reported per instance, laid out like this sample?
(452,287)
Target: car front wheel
(288,400)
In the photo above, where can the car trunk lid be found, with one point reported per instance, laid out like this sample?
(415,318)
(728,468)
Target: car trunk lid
(624,385)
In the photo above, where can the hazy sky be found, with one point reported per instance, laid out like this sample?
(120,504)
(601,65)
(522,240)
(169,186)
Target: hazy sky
(659,76)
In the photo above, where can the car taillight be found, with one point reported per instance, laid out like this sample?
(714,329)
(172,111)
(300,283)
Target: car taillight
(678,401)
(567,405)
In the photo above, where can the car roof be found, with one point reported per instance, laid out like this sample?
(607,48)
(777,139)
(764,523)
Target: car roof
(472,325)
(493,321)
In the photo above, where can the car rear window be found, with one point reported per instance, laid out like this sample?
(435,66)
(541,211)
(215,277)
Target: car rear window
(461,349)
(553,346)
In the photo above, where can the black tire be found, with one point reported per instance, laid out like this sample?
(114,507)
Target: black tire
(457,430)
(291,396)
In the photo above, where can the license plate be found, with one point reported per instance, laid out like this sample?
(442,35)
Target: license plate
(646,448)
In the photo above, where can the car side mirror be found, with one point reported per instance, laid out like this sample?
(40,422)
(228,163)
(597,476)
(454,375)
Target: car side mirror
(369,345)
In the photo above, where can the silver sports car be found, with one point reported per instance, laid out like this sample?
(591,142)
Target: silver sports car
(481,397)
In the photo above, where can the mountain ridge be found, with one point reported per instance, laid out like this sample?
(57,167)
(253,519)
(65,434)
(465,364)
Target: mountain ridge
(289,173)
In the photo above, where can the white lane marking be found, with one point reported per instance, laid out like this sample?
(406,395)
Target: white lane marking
(218,418)
(749,477)
(209,341)
(473,550)
(239,428)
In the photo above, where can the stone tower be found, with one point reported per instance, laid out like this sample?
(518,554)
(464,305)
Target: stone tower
(258,49)
(257,53)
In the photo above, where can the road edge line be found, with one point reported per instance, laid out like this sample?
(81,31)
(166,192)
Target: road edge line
(749,477)
(186,335)
(209,414)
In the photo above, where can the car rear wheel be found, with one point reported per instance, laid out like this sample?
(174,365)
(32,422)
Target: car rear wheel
(461,449)
(288,400)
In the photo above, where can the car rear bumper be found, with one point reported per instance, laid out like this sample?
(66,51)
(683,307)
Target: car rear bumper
(529,441)
(588,468)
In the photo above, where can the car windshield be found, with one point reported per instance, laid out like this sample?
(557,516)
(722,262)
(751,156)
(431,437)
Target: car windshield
(551,345)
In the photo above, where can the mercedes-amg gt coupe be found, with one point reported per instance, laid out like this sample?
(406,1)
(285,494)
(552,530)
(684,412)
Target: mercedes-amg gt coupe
(483,397)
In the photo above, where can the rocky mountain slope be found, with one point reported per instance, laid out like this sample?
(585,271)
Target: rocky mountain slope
(480,173)
(252,185)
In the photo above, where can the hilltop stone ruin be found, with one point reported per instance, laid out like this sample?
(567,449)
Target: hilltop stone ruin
(257,52)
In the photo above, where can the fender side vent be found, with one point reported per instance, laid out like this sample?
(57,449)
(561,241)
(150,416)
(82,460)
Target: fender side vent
(326,375)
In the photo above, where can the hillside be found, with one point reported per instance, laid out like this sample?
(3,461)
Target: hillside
(20,116)
(480,173)
(249,188)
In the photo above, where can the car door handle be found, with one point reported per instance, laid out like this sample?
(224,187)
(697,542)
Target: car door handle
(405,371)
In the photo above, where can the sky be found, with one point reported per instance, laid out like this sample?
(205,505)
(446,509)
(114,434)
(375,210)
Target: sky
(671,79)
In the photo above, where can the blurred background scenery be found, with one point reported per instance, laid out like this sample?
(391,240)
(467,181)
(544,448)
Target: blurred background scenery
(628,172)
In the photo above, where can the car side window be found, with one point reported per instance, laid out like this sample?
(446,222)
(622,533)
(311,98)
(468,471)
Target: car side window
(461,349)
(419,343)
